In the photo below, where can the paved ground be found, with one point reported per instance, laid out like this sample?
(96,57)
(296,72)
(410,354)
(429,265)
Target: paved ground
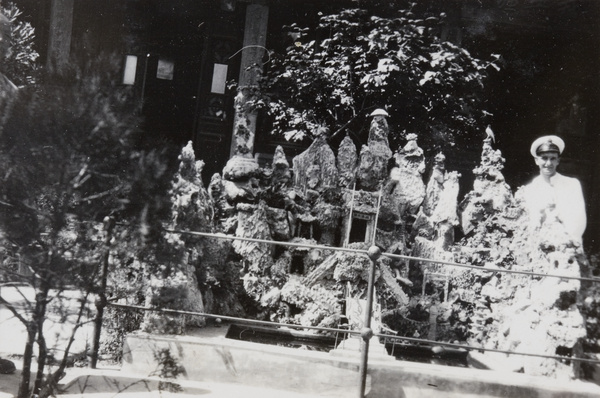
(61,315)
(109,383)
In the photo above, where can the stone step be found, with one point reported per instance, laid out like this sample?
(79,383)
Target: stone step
(351,347)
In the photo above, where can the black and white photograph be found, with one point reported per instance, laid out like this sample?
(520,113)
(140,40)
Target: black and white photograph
(300,198)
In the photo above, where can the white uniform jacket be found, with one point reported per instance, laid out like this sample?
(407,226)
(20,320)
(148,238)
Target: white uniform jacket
(562,196)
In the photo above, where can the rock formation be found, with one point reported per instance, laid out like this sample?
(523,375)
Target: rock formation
(242,165)
(374,157)
(347,162)
(315,169)
(281,175)
(438,216)
(407,186)
(359,200)
(173,282)
(490,192)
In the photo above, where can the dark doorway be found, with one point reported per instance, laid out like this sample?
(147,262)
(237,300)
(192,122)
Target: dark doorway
(358,230)
(297,266)
(170,79)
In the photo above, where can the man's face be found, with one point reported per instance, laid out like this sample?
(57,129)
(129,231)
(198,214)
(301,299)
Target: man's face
(547,163)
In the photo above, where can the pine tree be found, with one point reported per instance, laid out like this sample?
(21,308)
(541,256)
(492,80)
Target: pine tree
(19,63)
(69,158)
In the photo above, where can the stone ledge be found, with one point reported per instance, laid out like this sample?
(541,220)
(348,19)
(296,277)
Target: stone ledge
(221,360)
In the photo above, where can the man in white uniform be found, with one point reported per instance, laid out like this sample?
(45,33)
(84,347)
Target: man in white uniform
(552,194)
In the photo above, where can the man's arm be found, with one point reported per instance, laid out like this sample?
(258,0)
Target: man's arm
(579,221)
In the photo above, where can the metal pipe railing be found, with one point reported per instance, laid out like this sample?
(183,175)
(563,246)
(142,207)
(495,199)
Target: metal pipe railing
(233,318)
(390,255)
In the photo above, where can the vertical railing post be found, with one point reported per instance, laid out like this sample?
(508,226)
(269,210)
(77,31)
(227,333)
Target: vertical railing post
(366,332)
(109,224)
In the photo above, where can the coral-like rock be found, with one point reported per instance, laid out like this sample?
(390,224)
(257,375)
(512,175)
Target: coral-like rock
(240,168)
(389,281)
(316,302)
(252,223)
(178,289)
(281,168)
(236,192)
(279,224)
(328,217)
(271,298)
(304,285)
(374,157)
(347,162)
(406,187)
(315,168)
(192,207)
(352,268)
(435,184)
(439,214)
(445,214)
(490,191)
(217,194)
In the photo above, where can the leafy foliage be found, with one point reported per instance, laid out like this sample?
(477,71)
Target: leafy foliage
(20,61)
(364,61)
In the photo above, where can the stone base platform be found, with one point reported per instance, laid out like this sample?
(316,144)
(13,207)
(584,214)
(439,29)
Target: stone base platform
(208,356)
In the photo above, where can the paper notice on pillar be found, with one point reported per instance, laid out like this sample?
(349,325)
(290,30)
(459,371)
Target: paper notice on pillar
(219,79)
(165,69)
(130,69)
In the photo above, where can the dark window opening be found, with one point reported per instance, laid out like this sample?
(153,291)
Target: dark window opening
(358,230)
(316,232)
(565,352)
(305,230)
(279,250)
(297,266)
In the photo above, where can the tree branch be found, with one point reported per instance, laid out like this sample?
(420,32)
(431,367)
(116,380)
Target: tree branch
(14,311)
(101,194)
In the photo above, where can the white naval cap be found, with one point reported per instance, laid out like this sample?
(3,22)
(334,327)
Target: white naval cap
(547,143)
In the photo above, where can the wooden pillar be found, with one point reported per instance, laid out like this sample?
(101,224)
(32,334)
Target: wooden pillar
(255,39)
(241,163)
(61,24)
